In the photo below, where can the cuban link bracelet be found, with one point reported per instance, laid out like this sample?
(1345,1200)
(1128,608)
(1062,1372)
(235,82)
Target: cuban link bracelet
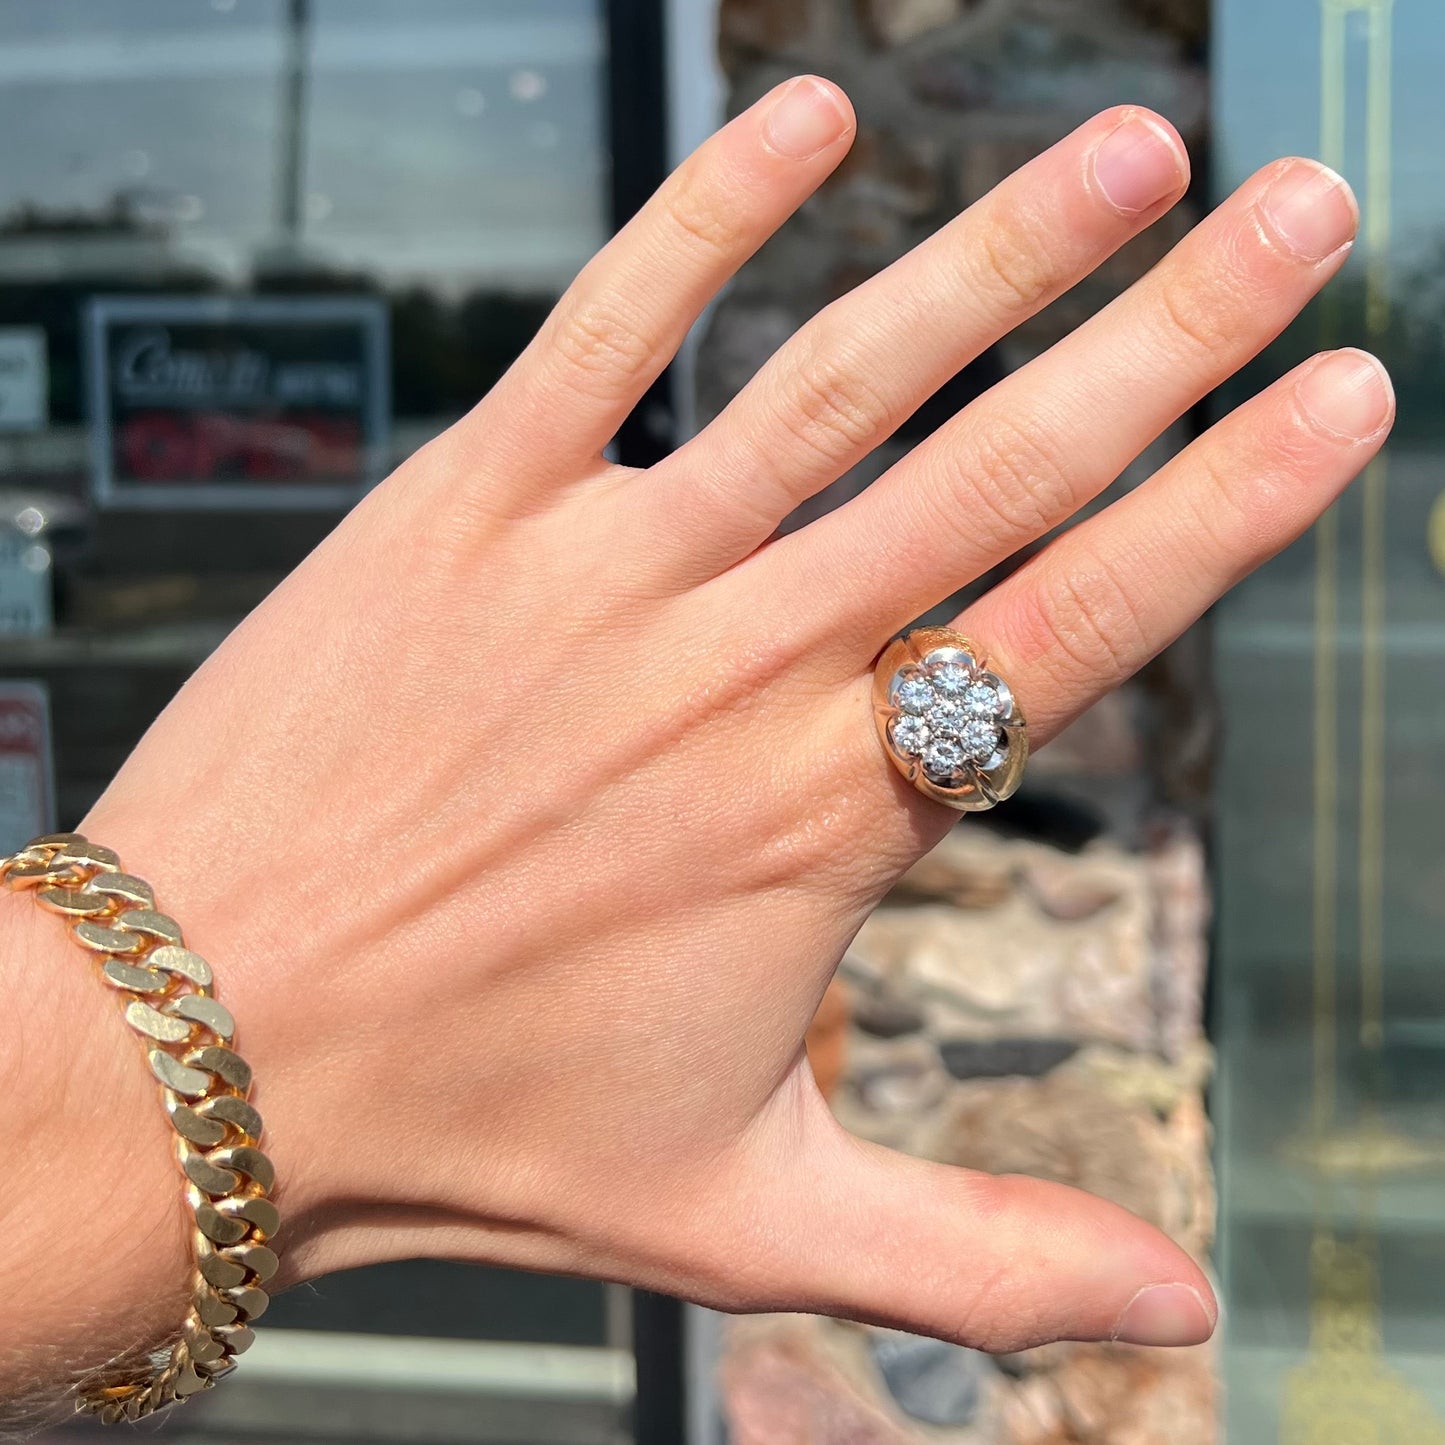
(170,1001)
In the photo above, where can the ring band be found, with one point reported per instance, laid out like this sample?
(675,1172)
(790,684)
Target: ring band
(949,725)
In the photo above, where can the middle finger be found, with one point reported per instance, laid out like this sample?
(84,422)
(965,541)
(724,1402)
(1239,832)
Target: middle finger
(1024,457)
(848,378)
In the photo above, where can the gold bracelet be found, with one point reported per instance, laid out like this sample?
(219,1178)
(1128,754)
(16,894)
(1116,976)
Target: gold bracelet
(170,1000)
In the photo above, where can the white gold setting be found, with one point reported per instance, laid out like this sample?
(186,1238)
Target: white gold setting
(951,726)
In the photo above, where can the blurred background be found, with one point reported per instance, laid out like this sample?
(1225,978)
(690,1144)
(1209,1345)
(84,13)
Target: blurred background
(254,252)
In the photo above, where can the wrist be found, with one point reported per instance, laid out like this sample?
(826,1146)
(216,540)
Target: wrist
(244,921)
(96,1249)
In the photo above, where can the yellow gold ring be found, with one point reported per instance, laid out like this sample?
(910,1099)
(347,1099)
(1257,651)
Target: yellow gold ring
(949,725)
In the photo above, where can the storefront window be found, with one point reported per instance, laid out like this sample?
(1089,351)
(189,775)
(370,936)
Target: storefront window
(1331,665)
(252,254)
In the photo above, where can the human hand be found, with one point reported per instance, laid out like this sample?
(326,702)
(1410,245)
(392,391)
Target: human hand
(526,822)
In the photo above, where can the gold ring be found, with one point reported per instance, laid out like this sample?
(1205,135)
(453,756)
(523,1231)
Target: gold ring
(949,725)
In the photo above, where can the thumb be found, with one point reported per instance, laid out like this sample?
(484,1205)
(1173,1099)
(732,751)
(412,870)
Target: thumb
(996,1262)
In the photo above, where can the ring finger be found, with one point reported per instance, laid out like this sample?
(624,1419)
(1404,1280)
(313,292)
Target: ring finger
(1110,594)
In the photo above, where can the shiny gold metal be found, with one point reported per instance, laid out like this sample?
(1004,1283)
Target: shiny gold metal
(213,1308)
(236,1338)
(124,887)
(132,977)
(202,1010)
(977,787)
(258,1258)
(150,1021)
(86,855)
(100,939)
(260,1213)
(232,1109)
(216,1226)
(225,1063)
(188,1037)
(250,1161)
(207,1177)
(218,1268)
(250,1301)
(148,921)
(73,902)
(191,1125)
(204,1348)
(183,963)
(193,1083)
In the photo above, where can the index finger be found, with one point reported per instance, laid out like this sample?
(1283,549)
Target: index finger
(620,322)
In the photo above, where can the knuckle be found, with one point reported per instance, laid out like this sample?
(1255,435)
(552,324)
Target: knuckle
(1197,316)
(1219,508)
(835,411)
(698,215)
(604,355)
(1234,511)
(1096,628)
(1015,487)
(1016,268)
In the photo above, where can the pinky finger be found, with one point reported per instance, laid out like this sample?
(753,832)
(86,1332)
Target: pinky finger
(1109,595)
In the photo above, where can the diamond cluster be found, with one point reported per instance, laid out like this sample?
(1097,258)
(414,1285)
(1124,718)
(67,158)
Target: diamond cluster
(950,716)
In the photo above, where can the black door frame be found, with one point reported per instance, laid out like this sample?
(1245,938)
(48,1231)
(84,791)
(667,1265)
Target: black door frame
(637,129)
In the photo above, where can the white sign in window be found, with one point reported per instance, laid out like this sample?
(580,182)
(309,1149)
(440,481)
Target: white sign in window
(24,379)
(27,784)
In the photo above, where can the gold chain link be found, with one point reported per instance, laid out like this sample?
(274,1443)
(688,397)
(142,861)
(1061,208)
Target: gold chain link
(170,1001)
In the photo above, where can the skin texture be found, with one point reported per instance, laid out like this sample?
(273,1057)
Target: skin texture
(526,822)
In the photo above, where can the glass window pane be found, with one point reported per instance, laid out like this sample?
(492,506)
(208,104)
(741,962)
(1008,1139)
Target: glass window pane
(1331,666)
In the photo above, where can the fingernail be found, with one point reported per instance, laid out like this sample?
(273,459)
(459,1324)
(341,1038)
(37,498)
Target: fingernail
(1137,164)
(1165,1314)
(804,118)
(1348,393)
(1312,210)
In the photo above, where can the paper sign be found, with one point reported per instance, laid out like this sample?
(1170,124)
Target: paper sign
(24,379)
(237,402)
(27,787)
(24,585)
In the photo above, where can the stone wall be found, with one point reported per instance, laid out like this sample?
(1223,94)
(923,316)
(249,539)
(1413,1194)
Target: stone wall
(1030,999)
(1016,1008)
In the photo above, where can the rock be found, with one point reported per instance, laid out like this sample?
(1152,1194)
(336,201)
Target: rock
(998,1058)
(899,1076)
(827,1037)
(889,171)
(969,868)
(896,22)
(938,1383)
(886,1015)
(957,82)
(1056,816)
(741,334)
(1104,742)
(1068,892)
(781,1388)
(1011,970)
(770,27)
(1181,948)
(1116,1395)
(1135,1080)
(1065,1128)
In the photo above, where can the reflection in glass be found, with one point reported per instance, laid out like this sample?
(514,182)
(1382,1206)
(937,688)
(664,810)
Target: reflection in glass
(437,170)
(1331,1016)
